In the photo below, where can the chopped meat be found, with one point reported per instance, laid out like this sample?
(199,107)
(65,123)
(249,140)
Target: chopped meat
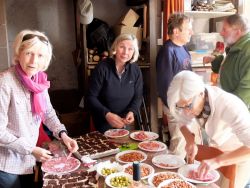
(193,174)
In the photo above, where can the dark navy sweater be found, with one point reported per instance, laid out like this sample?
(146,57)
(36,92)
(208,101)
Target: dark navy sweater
(109,93)
(171,59)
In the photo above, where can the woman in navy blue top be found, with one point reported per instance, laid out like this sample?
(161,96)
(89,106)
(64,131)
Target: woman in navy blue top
(116,86)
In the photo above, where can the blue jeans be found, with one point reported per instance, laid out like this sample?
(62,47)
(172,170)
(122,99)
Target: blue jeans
(8,180)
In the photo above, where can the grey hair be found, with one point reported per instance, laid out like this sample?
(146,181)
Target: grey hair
(121,38)
(185,85)
(238,21)
(176,21)
(19,45)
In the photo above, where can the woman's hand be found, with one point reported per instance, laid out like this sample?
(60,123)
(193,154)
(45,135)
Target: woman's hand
(192,150)
(69,142)
(114,120)
(129,119)
(206,166)
(41,154)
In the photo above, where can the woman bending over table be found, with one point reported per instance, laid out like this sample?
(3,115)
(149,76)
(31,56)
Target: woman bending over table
(224,117)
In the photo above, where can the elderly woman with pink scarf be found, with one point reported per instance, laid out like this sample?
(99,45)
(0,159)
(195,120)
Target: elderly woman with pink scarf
(24,104)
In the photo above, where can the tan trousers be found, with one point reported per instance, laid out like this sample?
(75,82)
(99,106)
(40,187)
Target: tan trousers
(241,179)
(177,140)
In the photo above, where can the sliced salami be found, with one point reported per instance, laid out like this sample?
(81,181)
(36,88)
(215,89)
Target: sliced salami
(60,165)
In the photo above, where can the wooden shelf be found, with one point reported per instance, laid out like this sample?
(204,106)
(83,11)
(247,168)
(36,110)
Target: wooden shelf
(207,14)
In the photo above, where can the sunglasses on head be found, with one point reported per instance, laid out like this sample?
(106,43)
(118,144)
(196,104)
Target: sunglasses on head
(31,36)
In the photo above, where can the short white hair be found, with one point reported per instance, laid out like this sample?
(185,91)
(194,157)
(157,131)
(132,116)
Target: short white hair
(185,85)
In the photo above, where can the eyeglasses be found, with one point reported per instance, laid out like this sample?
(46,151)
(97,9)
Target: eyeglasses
(186,107)
(31,36)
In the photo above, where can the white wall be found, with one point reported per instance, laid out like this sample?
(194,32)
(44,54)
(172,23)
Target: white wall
(246,9)
(201,25)
(3,38)
(56,19)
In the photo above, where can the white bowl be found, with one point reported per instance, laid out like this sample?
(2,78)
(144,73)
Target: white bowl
(168,161)
(152,146)
(151,169)
(116,133)
(108,165)
(109,177)
(185,170)
(118,155)
(149,135)
(167,182)
(167,173)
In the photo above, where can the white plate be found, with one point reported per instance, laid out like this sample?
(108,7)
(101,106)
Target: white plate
(167,161)
(170,175)
(116,133)
(108,165)
(167,182)
(130,158)
(109,177)
(142,165)
(60,165)
(152,146)
(146,135)
(184,170)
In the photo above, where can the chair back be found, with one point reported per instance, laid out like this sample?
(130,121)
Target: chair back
(207,152)
(142,117)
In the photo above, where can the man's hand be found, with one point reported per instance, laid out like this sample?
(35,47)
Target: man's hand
(208,59)
(114,120)
(192,150)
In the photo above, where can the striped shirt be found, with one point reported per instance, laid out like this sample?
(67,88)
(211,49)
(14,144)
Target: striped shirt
(19,129)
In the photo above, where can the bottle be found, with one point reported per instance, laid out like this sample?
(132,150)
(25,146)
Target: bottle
(136,176)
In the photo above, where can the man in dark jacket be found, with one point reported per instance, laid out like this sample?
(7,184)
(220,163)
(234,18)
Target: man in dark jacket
(172,58)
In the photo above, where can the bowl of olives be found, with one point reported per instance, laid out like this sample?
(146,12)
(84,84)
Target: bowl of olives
(119,180)
(106,168)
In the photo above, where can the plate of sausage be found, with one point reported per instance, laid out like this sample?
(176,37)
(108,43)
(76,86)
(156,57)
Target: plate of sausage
(143,135)
(152,146)
(116,133)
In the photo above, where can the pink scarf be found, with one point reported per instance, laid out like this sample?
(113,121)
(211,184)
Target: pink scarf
(36,86)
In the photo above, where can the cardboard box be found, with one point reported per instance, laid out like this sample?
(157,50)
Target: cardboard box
(137,31)
(129,18)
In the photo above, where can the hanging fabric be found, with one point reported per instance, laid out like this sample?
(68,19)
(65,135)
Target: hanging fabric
(170,6)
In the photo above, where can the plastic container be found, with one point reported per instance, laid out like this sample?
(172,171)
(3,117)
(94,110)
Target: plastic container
(204,41)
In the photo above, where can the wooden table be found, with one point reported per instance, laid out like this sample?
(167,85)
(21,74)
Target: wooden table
(150,155)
